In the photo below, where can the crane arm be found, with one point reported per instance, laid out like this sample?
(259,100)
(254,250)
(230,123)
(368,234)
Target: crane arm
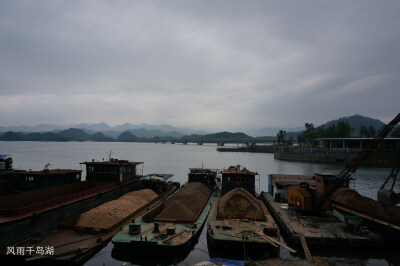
(350,168)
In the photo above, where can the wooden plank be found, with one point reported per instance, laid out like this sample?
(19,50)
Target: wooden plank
(366,216)
(271,239)
(305,247)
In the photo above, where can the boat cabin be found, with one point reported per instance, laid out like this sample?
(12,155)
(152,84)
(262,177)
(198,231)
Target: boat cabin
(278,185)
(203,175)
(13,181)
(5,162)
(113,170)
(235,177)
(32,180)
(22,181)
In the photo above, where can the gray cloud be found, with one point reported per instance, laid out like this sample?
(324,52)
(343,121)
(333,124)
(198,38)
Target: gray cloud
(214,64)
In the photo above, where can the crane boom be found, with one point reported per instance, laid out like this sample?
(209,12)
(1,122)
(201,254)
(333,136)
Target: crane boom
(351,167)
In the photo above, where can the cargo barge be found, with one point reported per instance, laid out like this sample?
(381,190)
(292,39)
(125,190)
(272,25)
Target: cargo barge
(239,225)
(321,231)
(28,213)
(79,238)
(170,230)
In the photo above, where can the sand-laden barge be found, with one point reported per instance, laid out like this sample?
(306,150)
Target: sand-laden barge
(384,219)
(171,229)
(239,225)
(79,238)
(25,214)
(319,231)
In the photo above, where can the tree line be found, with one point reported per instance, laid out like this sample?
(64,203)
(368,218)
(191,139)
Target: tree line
(342,129)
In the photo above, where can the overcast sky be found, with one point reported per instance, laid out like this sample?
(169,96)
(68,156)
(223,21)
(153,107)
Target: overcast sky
(221,65)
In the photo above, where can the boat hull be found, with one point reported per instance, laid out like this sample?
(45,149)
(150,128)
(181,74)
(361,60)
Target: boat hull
(149,244)
(74,248)
(143,253)
(16,230)
(239,250)
(241,238)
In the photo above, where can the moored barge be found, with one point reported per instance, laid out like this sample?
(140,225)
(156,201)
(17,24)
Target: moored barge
(77,239)
(318,230)
(170,229)
(239,225)
(28,213)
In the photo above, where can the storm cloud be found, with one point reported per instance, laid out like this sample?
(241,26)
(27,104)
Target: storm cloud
(224,65)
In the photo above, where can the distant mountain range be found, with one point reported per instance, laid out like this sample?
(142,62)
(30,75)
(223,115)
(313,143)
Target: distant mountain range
(131,132)
(75,134)
(141,130)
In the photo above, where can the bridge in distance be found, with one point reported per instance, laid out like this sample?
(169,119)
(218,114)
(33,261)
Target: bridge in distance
(219,142)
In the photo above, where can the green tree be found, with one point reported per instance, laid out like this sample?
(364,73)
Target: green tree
(320,132)
(395,132)
(300,138)
(289,142)
(371,132)
(363,131)
(281,136)
(309,132)
(344,129)
(330,131)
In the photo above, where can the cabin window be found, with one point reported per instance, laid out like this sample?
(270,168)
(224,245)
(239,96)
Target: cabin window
(123,169)
(30,179)
(111,169)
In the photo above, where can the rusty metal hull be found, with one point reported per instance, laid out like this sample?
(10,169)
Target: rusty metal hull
(239,250)
(149,242)
(17,228)
(74,248)
(320,232)
(242,238)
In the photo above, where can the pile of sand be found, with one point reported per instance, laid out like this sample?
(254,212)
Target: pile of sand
(186,204)
(354,199)
(110,213)
(240,204)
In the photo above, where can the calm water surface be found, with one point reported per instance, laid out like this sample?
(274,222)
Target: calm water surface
(177,159)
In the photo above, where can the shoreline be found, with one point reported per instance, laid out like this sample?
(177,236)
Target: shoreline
(378,158)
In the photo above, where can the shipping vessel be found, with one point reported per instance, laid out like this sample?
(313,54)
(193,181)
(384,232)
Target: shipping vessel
(239,225)
(79,238)
(168,231)
(58,195)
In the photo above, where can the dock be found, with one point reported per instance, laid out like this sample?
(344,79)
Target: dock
(319,231)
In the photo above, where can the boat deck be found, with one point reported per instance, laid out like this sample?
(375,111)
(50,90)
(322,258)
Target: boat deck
(247,230)
(182,232)
(69,246)
(319,231)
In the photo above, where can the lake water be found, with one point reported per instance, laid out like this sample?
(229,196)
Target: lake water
(177,159)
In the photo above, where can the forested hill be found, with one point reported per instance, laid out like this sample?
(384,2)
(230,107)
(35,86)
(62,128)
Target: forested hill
(357,121)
